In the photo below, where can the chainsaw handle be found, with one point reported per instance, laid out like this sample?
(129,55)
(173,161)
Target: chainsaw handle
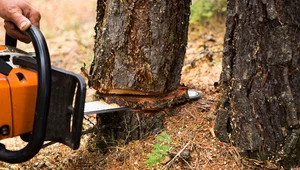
(10,41)
(42,103)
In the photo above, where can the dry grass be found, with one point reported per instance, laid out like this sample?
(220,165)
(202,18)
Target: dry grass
(68,28)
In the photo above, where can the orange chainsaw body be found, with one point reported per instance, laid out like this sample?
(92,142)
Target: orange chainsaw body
(17,102)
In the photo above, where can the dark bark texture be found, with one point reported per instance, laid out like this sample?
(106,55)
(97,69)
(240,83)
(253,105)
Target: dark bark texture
(259,109)
(121,128)
(140,46)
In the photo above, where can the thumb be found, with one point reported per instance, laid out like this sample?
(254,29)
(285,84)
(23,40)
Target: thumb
(21,21)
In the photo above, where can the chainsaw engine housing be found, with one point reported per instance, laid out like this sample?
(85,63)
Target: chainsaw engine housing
(17,101)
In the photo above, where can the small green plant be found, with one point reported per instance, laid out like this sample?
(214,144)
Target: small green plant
(160,149)
(214,62)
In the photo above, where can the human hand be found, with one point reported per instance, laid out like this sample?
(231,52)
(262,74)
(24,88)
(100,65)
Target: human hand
(18,15)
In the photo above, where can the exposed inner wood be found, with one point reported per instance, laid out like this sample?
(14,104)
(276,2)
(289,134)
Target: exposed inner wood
(147,102)
(126,92)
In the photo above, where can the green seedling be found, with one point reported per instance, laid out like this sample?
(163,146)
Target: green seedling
(160,150)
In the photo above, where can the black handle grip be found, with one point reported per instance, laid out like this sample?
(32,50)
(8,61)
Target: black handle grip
(10,41)
(42,103)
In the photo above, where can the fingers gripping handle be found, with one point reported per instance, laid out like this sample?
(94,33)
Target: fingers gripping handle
(42,103)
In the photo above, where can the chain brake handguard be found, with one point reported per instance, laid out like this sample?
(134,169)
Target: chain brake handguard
(65,116)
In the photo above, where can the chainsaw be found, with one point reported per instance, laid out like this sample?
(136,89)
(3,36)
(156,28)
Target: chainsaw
(40,102)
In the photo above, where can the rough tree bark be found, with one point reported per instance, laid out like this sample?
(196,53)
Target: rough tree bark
(259,109)
(139,51)
(139,46)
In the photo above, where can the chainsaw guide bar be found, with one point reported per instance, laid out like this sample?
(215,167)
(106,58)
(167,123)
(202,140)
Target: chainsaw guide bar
(101,107)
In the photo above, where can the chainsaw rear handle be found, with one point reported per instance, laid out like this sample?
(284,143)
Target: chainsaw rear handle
(42,103)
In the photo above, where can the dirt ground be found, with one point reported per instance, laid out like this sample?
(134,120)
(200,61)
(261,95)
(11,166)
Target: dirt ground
(69,30)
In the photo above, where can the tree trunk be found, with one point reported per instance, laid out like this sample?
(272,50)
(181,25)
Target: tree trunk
(259,111)
(140,46)
(139,52)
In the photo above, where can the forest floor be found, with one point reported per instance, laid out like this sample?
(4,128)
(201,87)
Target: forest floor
(70,35)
